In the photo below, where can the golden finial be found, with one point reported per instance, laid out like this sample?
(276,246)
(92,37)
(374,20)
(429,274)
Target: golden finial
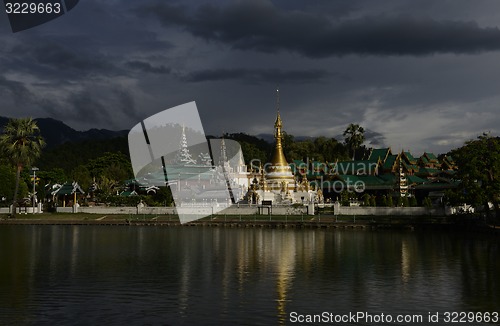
(278,156)
(278,99)
(278,123)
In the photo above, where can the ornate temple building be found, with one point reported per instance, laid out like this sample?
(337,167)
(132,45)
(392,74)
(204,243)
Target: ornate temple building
(278,174)
(384,173)
(197,178)
(275,182)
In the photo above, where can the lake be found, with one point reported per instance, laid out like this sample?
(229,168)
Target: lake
(121,275)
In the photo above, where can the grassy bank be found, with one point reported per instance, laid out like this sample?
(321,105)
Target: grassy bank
(233,218)
(46,218)
(421,223)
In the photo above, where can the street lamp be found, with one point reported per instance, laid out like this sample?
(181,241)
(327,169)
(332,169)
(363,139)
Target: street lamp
(34,169)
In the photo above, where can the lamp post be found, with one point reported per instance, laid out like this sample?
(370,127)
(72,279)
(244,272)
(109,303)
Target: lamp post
(34,169)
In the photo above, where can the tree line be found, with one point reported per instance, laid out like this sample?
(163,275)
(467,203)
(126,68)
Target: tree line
(323,149)
(105,164)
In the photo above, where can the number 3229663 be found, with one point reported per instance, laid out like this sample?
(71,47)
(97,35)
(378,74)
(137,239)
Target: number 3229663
(471,317)
(32,8)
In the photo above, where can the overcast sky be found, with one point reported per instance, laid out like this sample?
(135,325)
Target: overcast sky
(418,75)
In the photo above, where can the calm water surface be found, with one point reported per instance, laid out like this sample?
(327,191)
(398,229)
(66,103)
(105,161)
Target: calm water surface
(100,275)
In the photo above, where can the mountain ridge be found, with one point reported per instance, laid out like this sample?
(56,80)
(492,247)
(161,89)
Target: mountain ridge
(56,132)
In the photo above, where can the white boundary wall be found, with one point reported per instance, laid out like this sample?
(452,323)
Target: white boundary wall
(252,210)
(389,211)
(22,210)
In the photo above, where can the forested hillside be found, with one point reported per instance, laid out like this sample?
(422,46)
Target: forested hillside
(99,159)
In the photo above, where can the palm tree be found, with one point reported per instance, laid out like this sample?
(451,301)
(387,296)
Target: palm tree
(22,145)
(354,137)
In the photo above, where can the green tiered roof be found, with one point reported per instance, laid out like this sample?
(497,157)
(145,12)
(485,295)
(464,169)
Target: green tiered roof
(428,172)
(410,167)
(431,157)
(355,167)
(389,162)
(410,158)
(429,160)
(413,179)
(448,162)
(69,189)
(388,178)
(370,181)
(379,154)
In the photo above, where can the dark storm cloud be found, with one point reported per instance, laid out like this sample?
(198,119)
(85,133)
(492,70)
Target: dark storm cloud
(63,58)
(260,26)
(90,106)
(106,66)
(58,60)
(334,8)
(147,67)
(14,89)
(257,75)
(82,106)
(374,138)
(126,103)
(443,143)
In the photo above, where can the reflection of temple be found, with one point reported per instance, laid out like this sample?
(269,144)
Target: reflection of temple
(275,181)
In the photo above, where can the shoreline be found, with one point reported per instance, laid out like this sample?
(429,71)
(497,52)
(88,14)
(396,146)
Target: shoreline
(263,221)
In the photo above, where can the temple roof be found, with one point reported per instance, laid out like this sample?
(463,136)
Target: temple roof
(379,154)
(390,162)
(410,158)
(428,171)
(431,157)
(355,167)
(68,189)
(369,181)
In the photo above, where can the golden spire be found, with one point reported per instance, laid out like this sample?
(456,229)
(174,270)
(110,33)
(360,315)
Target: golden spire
(278,156)
(278,123)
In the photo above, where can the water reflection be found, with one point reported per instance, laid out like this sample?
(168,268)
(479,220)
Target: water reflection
(285,271)
(233,276)
(405,262)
